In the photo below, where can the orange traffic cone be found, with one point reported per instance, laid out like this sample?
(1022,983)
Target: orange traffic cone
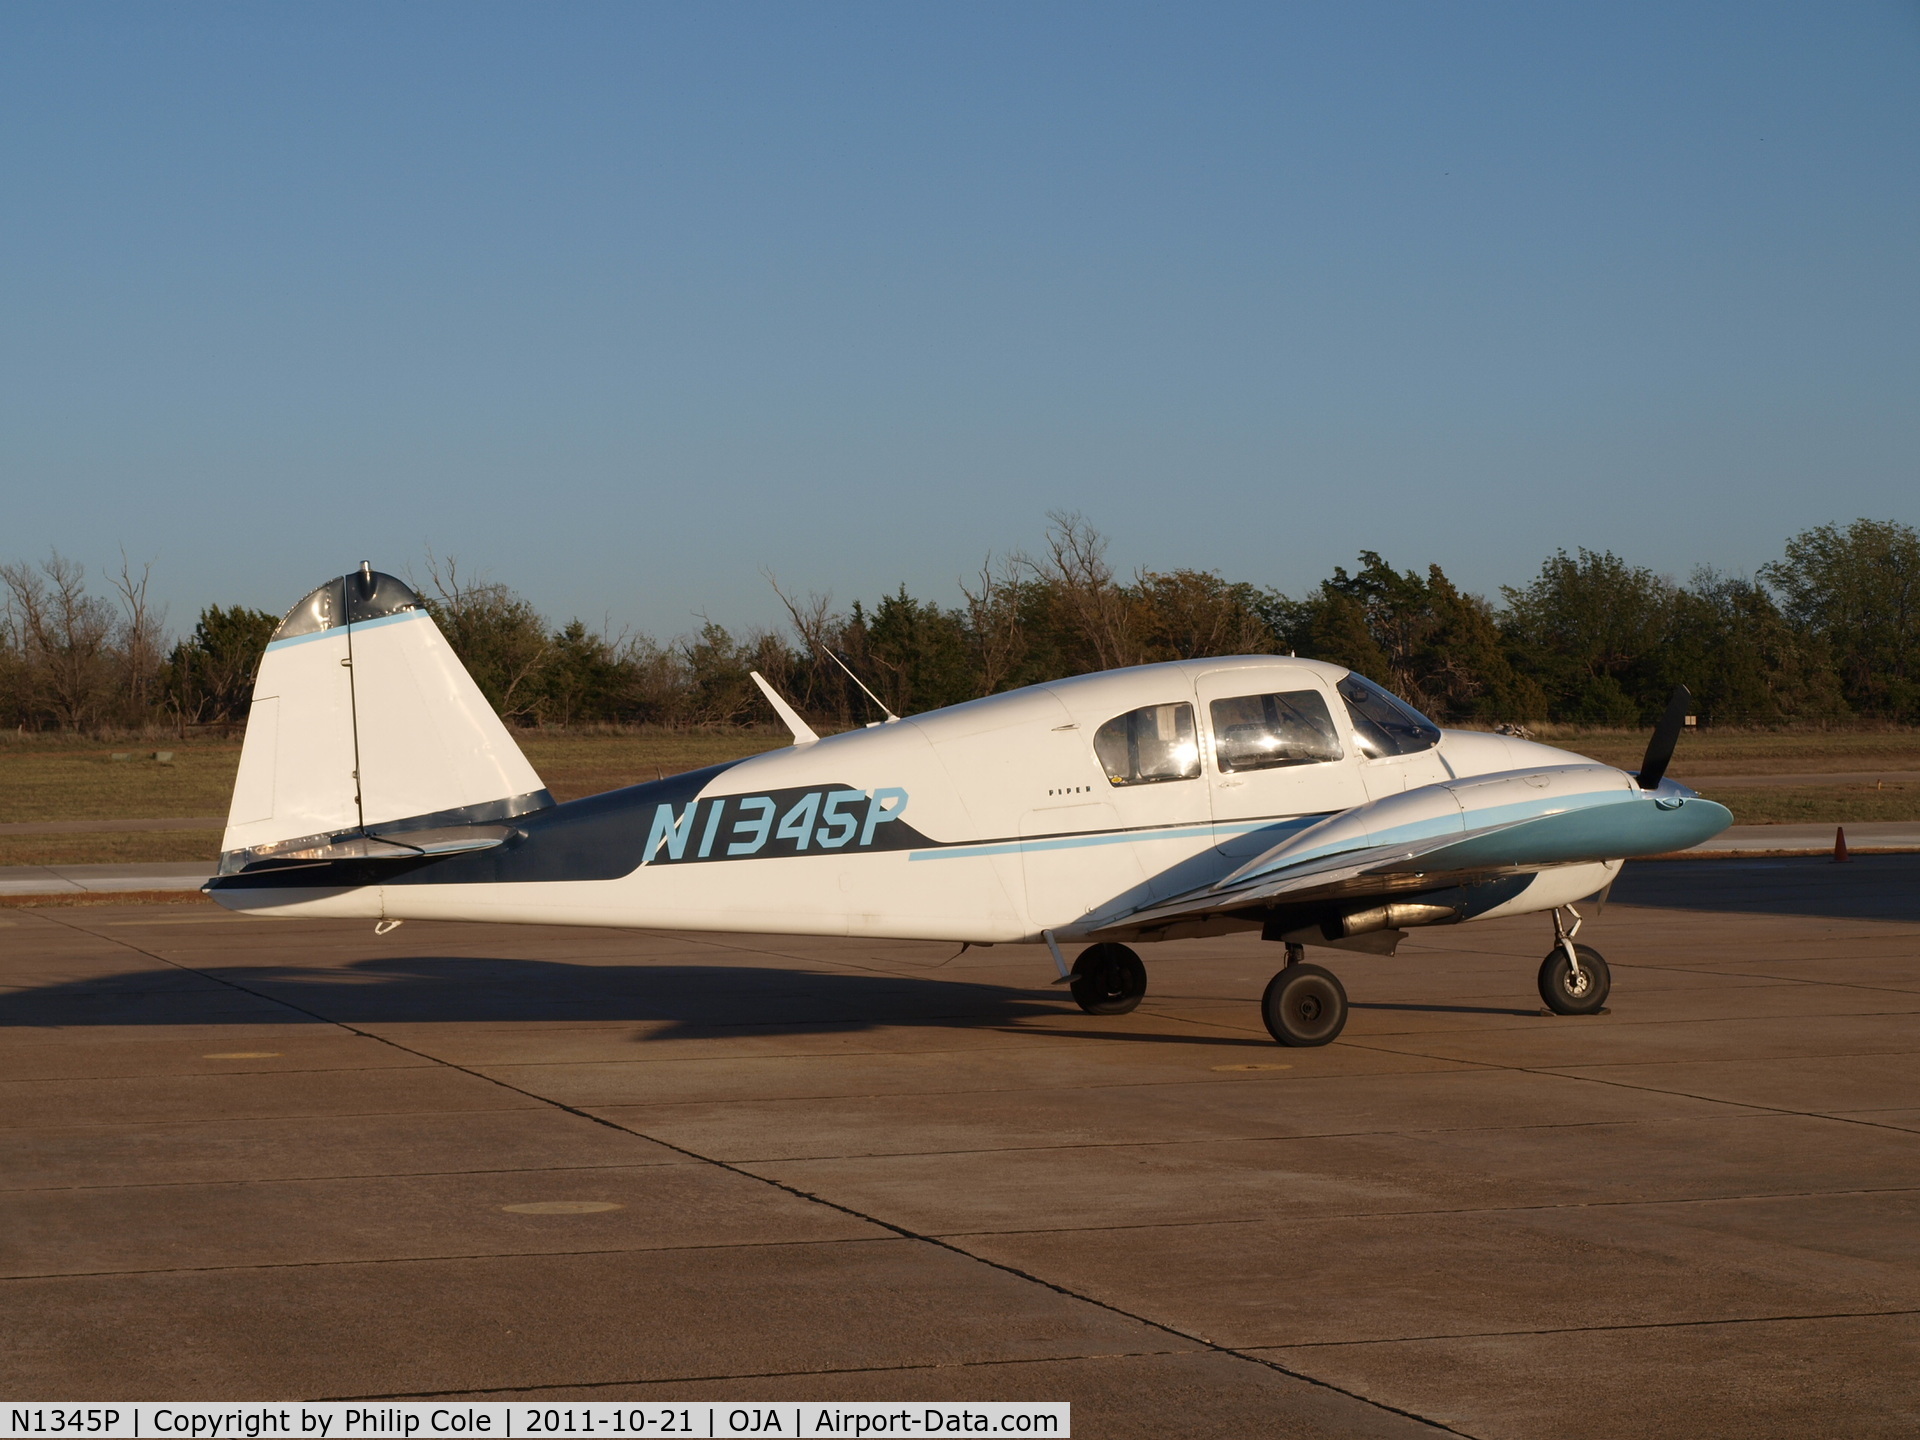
(1840,856)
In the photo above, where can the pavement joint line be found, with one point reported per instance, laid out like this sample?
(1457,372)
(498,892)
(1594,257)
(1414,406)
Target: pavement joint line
(862,1054)
(402,1175)
(900,1230)
(304,1115)
(742,1061)
(1753,1113)
(1622,1064)
(1618,1022)
(765,1375)
(1729,969)
(955,1017)
(1460,1067)
(1351,1216)
(224,918)
(1597,1329)
(1466,1066)
(1307,1136)
(301,1115)
(907,1051)
(327,1179)
(381,1260)
(1843,1117)
(1563,1074)
(209,1074)
(1782,979)
(1839,927)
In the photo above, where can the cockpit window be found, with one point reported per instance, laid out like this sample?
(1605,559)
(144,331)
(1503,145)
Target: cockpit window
(1148,745)
(1384,724)
(1260,732)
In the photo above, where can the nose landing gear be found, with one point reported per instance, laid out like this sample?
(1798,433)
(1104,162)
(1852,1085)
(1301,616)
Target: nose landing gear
(1574,979)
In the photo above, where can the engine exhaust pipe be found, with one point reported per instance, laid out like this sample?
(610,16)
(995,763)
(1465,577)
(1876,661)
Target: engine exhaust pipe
(1402,915)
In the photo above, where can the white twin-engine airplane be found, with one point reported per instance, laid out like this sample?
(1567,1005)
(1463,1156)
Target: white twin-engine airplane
(1254,793)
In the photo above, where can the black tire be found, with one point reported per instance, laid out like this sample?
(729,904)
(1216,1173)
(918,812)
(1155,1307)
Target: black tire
(1304,1005)
(1565,996)
(1108,980)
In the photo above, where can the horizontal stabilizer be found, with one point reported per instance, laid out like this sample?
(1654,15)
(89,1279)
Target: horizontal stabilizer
(412,845)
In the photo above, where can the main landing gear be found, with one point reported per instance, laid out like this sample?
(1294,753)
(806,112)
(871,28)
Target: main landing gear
(1108,979)
(1573,978)
(1304,1005)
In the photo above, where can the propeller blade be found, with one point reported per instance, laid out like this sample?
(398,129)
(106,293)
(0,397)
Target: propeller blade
(1665,736)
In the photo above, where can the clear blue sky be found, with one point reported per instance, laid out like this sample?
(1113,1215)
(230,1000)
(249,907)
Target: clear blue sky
(623,303)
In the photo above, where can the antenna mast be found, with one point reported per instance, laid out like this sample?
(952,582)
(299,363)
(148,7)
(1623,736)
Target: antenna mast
(891,717)
(806,634)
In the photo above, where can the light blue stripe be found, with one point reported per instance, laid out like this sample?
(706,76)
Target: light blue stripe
(1606,831)
(1061,842)
(1458,825)
(393,619)
(338,631)
(1111,837)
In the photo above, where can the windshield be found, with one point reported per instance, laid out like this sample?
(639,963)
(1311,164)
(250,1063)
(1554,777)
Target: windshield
(1384,724)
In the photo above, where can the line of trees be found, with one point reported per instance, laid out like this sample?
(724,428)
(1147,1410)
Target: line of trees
(1828,632)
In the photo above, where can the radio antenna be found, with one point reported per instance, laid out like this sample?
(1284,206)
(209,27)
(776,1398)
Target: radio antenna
(891,717)
(809,634)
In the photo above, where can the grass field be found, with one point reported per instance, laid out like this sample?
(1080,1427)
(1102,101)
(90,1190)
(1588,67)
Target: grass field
(57,778)
(144,847)
(1704,754)
(62,779)
(1818,804)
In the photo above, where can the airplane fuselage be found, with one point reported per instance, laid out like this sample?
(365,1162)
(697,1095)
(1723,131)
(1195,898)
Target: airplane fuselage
(998,820)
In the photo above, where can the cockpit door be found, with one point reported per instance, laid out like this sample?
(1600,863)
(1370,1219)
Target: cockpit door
(1276,757)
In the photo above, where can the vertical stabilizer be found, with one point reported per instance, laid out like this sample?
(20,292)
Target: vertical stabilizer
(364,722)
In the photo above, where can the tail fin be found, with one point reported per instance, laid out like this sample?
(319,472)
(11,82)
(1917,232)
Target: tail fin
(365,724)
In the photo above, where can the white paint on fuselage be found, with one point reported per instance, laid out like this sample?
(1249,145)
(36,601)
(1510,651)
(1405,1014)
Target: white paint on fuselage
(1032,835)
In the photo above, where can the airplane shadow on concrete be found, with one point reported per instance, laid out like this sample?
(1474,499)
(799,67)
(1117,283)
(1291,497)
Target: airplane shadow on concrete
(1870,887)
(673,1001)
(688,1000)
(681,999)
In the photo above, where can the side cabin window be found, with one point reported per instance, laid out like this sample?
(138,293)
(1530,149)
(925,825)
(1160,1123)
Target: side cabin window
(1262,732)
(1384,724)
(1153,743)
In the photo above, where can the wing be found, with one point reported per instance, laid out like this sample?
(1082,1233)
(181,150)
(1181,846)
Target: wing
(1442,837)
